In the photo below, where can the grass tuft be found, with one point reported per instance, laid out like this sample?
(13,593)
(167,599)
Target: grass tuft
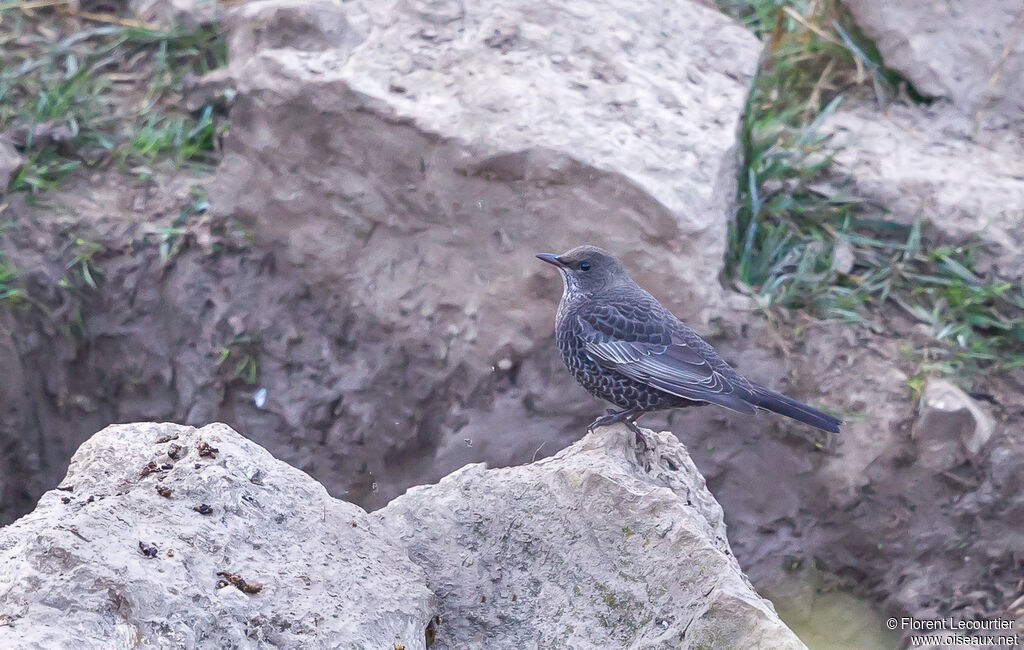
(8,292)
(239,360)
(75,94)
(799,242)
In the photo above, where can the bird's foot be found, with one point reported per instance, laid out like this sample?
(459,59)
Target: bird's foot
(625,416)
(640,444)
(611,416)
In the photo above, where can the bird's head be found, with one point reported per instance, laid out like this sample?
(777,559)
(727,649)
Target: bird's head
(587,268)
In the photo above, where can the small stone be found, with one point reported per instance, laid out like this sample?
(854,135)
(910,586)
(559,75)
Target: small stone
(238,582)
(951,426)
(205,450)
(10,161)
(150,467)
(842,255)
(175,451)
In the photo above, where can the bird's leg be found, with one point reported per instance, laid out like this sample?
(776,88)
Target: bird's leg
(627,417)
(641,438)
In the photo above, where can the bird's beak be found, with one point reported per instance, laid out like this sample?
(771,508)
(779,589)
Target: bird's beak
(552,259)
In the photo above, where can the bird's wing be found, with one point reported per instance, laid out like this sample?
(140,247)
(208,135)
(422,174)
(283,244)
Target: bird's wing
(664,356)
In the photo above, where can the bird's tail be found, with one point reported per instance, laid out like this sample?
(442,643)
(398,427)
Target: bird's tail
(768,399)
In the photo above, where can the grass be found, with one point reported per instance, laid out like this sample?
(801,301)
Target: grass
(93,91)
(82,271)
(799,242)
(239,359)
(8,292)
(77,93)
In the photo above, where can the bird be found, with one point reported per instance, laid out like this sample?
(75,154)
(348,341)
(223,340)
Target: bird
(625,347)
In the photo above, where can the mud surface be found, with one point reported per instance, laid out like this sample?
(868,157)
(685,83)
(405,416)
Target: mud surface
(190,322)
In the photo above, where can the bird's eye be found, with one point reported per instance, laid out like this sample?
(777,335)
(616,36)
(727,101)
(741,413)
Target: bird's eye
(584,266)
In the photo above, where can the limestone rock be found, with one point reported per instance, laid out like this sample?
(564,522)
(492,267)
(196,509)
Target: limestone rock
(408,158)
(307,26)
(971,52)
(166,536)
(487,132)
(185,14)
(951,426)
(122,554)
(907,162)
(596,547)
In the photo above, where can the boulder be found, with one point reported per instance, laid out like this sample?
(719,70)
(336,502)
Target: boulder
(165,536)
(597,547)
(971,53)
(955,164)
(407,159)
(486,133)
(915,163)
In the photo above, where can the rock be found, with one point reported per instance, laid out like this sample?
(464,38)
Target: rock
(164,536)
(307,26)
(116,557)
(843,255)
(956,164)
(188,15)
(596,547)
(950,427)
(407,159)
(10,160)
(971,53)
(914,163)
(487,133)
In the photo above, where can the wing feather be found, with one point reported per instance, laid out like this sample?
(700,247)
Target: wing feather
(663,358)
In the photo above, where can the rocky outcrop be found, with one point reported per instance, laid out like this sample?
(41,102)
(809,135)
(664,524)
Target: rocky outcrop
(166,536)
(597,547)
(971,53)
(954,165)
(919,164)
(407,159)
(169,536)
